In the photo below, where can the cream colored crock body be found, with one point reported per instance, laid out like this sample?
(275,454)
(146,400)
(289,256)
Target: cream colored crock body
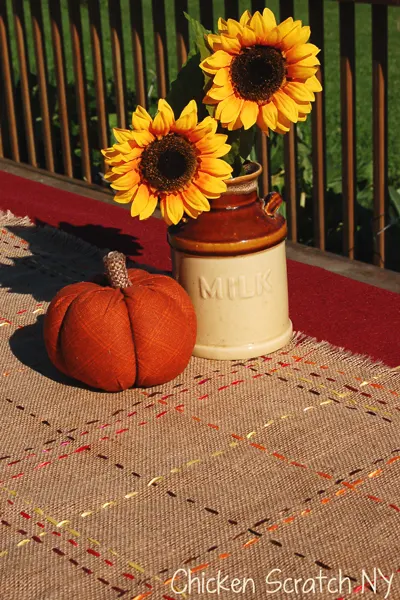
(241,302)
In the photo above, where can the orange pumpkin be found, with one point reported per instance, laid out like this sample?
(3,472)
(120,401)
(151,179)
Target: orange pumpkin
(140,331)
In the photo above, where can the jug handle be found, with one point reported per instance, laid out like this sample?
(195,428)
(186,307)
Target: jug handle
(272,202)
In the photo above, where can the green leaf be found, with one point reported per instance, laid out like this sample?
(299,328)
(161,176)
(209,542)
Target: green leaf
(242,142)
(394,196)
(199,36)
(188,85)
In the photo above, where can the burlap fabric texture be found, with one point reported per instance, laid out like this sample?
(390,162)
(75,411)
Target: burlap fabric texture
(288,462)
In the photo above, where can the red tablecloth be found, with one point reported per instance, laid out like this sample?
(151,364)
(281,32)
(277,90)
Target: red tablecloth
(357,316)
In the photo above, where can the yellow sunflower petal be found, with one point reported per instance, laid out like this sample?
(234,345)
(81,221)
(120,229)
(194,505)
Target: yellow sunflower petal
(142,138)
(214,41)
(258,25)
(220,93)
(230,44)
(209,185)
(299,91)
(313,84)
(301,52)
(269,18)
(203,129)
(188,118)
(174,207)
(122,135)
(248,37)
(218,60)
(141,119)
(195,198)
(164,119)
(150,207)
(245,18)
(140,200)
(211,143)
(126,181)
(297,36)
(190,211)
(309,61)
(233,27)
(231,109)
(222,24)
(284,124)
(222,151)
(249,113)
(112,156)
(287,25)
(272,37)
(286,105)
(126,167)
(163,211)
(297,71)
(267,117)
(215,166)
(125,197)
(222,77)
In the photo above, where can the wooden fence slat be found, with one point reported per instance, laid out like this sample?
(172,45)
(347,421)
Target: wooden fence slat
(379,74)
(80,83)
(262,157)
(8,83)
(231,9)
(160,45)
(138,51)
(117,45)
(98,73)
(59,66)
(207,14)
(316,19)
(19,23)
(40,55)
(289,144)
(347,92)
(182,31)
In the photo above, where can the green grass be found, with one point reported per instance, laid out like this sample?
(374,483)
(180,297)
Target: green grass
(331,65)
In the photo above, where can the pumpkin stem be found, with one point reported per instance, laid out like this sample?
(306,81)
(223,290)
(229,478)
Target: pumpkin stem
(116,271)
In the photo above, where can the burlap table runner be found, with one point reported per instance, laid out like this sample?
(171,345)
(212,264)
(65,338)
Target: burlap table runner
(282,467)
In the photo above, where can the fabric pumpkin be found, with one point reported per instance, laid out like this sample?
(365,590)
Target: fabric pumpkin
(139,331)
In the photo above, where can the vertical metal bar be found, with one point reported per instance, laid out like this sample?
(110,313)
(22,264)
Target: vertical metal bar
(8,84)
(117,45)
(379,74)
(40,55)
(19,24)
(207,14)
(138,51)
(80,84)
(182,31)
(98,72)
(160,45)
(316,18)
(258,5)
(231,9)
(59,65)
(347,91)
(289,141)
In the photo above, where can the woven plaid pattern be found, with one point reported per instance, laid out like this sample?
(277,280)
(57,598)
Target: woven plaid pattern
(288,461)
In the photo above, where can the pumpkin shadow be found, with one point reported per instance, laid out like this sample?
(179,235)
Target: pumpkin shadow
(27,345)
(58,260)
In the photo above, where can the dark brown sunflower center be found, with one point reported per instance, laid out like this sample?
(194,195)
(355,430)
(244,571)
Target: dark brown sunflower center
(258,72)
(169,164)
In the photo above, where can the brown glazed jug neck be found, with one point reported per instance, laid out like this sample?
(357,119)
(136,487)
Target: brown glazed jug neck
(238,222)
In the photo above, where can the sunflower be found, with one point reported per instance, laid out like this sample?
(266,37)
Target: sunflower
(262,72)
(175,162)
